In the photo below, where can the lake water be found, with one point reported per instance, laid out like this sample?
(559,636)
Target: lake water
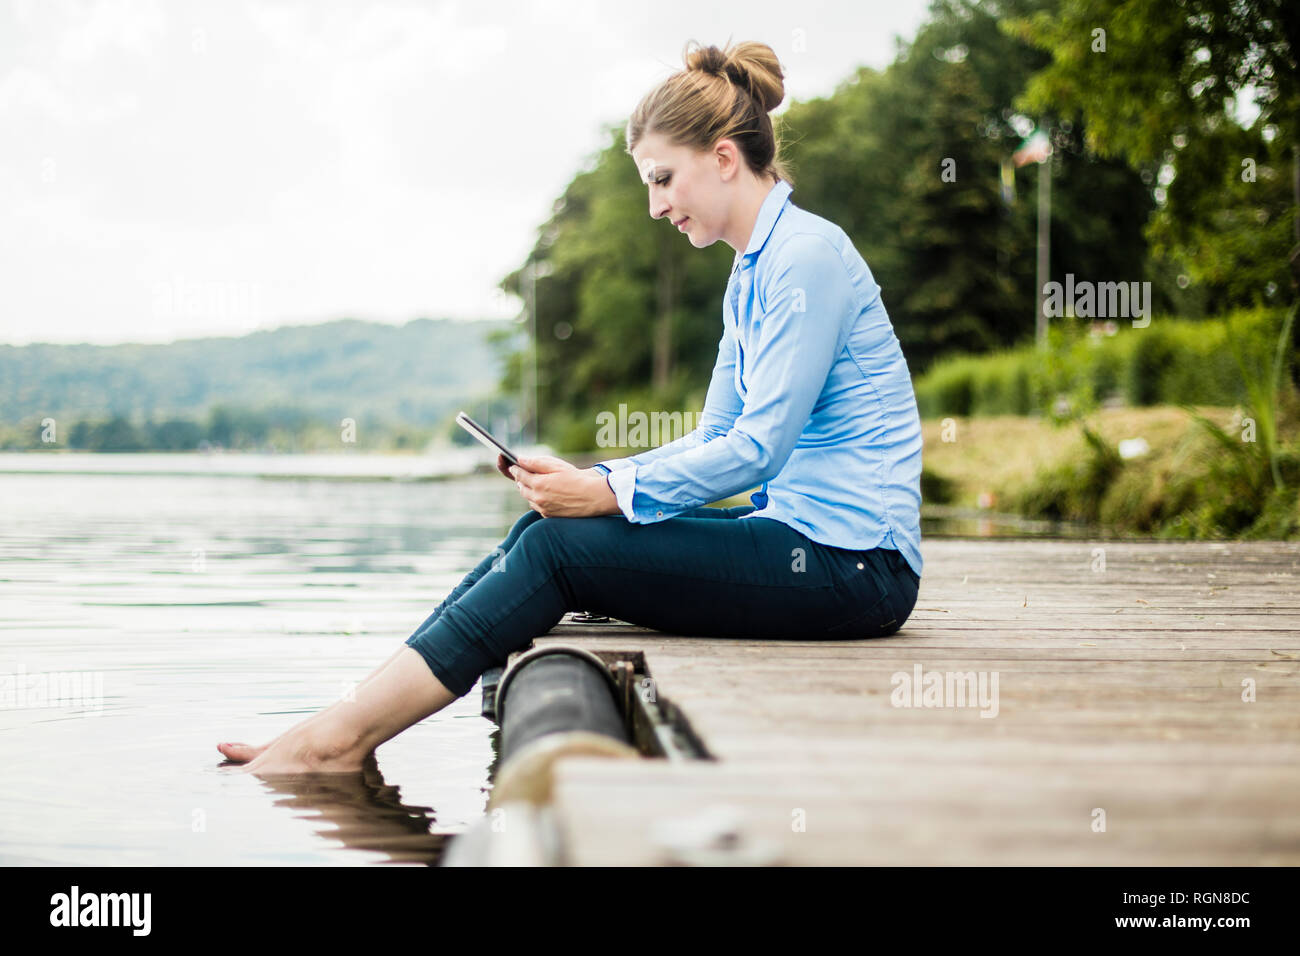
(196,609)
(196,603)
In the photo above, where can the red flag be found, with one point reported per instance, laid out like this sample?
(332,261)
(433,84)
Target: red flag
(1035,149)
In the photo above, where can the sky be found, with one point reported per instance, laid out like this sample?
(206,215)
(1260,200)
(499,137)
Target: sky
(186,168)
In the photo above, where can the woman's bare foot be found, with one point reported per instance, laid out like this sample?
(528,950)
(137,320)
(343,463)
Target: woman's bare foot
(244,753)
(241,753)
(340,738)
(311,750)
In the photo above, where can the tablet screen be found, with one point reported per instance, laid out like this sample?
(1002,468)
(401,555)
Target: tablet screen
(484,436)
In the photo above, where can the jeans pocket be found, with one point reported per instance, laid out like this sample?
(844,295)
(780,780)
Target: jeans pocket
(867,584)
(878,621)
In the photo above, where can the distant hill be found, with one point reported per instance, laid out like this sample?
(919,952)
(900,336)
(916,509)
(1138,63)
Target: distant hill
(415,373)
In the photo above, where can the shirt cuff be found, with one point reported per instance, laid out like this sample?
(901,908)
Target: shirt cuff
(614,464)
(623,481)
(603,469)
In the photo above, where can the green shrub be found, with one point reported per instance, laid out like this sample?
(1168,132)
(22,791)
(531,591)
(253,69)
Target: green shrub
(947,389)
(935,488)
(1170,362)
(1000,385)
(1074,490)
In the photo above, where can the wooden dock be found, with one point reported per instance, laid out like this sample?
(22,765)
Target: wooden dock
(1121,736)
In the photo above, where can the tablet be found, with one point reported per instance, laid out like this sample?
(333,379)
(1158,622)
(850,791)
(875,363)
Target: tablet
(483,435)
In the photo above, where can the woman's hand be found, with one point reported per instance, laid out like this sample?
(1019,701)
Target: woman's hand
(542,463)
(556,489)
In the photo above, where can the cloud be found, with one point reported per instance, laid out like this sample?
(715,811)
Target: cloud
(378,159)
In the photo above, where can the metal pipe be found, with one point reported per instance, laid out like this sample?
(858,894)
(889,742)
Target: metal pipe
(554,689)
(551,702)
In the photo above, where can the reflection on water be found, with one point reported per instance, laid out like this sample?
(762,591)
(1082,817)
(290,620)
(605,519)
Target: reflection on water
(200,609)
(362,813)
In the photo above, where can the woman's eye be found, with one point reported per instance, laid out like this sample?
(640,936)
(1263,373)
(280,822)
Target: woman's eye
(664,181)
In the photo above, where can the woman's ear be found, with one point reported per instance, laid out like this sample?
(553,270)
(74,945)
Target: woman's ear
(727,157)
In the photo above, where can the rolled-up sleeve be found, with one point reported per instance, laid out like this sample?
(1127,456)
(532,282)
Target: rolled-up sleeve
(808,303)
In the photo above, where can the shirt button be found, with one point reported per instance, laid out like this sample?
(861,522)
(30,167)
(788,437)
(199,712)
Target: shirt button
(859,565)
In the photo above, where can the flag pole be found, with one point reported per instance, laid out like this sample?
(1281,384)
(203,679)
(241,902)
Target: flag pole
(1044,246)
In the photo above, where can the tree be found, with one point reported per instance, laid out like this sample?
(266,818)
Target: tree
(1160,84)
(956,264)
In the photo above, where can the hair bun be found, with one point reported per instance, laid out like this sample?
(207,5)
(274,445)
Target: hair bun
(749,65)
(721,94)
(707,59)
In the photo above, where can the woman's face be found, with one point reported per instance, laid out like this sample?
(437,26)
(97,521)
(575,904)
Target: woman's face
(685,187)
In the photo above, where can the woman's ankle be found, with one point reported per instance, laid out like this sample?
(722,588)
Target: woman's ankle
(336,739)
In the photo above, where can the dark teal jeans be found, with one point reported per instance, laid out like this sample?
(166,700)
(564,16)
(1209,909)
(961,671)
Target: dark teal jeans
(697,574)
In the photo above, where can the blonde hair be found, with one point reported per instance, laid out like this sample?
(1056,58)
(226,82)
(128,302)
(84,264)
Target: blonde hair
(720,94)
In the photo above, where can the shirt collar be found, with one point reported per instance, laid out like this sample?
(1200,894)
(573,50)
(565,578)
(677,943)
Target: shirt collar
(768,213)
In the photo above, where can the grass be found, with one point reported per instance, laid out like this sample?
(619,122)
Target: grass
(1197,480)
(996,459)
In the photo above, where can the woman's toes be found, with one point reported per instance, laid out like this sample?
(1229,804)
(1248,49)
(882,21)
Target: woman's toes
(240,753)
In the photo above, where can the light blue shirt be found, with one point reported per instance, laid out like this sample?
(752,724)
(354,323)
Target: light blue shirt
(810,396)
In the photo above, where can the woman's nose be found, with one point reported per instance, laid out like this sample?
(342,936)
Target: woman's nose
(657,205)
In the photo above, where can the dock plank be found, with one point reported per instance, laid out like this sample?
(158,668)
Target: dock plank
(1119,691)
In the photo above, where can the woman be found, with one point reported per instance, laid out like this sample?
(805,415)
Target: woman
(810,397)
